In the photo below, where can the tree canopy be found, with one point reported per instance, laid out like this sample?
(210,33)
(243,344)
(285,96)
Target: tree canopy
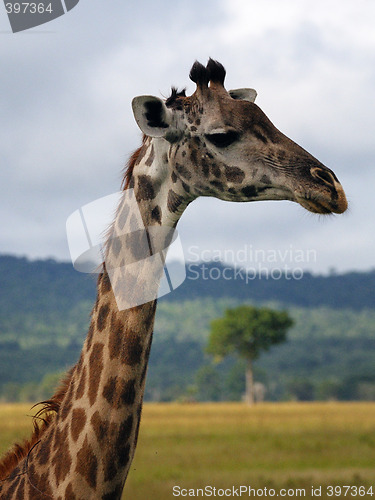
(248,330)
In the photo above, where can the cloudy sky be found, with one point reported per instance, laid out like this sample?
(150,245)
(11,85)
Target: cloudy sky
(67,129)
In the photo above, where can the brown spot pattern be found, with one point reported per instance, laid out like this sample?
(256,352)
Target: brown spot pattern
(265,179)
(90,335)
(145,188)
(123,217)
(128,349)
(96,303)
(109,390)
(123,454)
(69,493)
(218,185)
(117,331)
(193,156)
(116,493)
(96,368)
(132,350)
(249,191)
(126,429)
(234,174)
(137,243)
(119,392)
(82,384)
(78,422)
(36,481)
(44,450)
(205,168)
(87,464)
(174,201)
(156,214)
(124,345)
(100,427)
(66,406)
(102,317)
(139,413)
(183,171)
(110,469)
(150,159)
(115,245)
(215,170)
(62,459)
(113,437)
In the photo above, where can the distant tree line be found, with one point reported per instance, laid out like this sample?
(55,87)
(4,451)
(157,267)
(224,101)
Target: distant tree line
(304,369)
(44,316)
(55,286)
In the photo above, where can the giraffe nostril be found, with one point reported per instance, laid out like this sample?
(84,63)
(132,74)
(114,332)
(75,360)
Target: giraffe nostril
(324,175)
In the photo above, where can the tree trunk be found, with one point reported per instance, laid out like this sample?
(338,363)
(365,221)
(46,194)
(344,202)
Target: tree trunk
(250,399)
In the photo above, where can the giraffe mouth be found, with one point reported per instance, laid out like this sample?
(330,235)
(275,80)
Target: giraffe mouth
(315,207)
(319,204)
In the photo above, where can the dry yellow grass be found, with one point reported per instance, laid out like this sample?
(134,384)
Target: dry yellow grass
(283,445)
(15,424)
(275,445)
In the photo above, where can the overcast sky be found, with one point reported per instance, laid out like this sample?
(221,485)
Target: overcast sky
(67,129)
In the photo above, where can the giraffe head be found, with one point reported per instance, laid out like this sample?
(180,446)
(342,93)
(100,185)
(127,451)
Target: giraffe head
(221,144)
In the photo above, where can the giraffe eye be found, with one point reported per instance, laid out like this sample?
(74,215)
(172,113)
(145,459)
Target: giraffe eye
(222,140)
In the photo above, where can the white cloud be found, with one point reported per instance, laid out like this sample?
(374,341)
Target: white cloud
(67,127)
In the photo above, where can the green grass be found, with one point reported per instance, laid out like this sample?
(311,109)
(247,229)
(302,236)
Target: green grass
(284,445)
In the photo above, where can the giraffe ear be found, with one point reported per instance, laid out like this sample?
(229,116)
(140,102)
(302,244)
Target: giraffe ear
(152,115)
(243,94)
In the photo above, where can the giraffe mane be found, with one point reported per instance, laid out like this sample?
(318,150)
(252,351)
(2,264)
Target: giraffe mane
(129,167)
(174,99)
(41,421)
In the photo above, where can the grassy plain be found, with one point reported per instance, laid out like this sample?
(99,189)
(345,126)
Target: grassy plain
(281,445)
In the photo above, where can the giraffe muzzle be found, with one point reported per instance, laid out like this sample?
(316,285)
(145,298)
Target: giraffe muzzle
(326,196)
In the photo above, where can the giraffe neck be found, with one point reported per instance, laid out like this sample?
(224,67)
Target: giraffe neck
(88,448)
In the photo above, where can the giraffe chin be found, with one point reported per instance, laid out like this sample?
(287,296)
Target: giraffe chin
(322,207)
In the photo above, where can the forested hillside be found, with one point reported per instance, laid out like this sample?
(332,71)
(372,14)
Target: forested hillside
(57,287)
(45,307)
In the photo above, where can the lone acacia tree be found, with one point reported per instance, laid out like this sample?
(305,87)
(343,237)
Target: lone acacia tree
(248,330)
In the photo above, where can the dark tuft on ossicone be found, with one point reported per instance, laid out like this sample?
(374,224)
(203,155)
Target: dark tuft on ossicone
(216,71)
(199,74)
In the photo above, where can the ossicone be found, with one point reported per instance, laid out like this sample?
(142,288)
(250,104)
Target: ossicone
(201,75)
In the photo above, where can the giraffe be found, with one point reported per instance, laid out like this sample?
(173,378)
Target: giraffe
(212,143)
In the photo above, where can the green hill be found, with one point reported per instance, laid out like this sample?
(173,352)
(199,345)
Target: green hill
(45,306)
